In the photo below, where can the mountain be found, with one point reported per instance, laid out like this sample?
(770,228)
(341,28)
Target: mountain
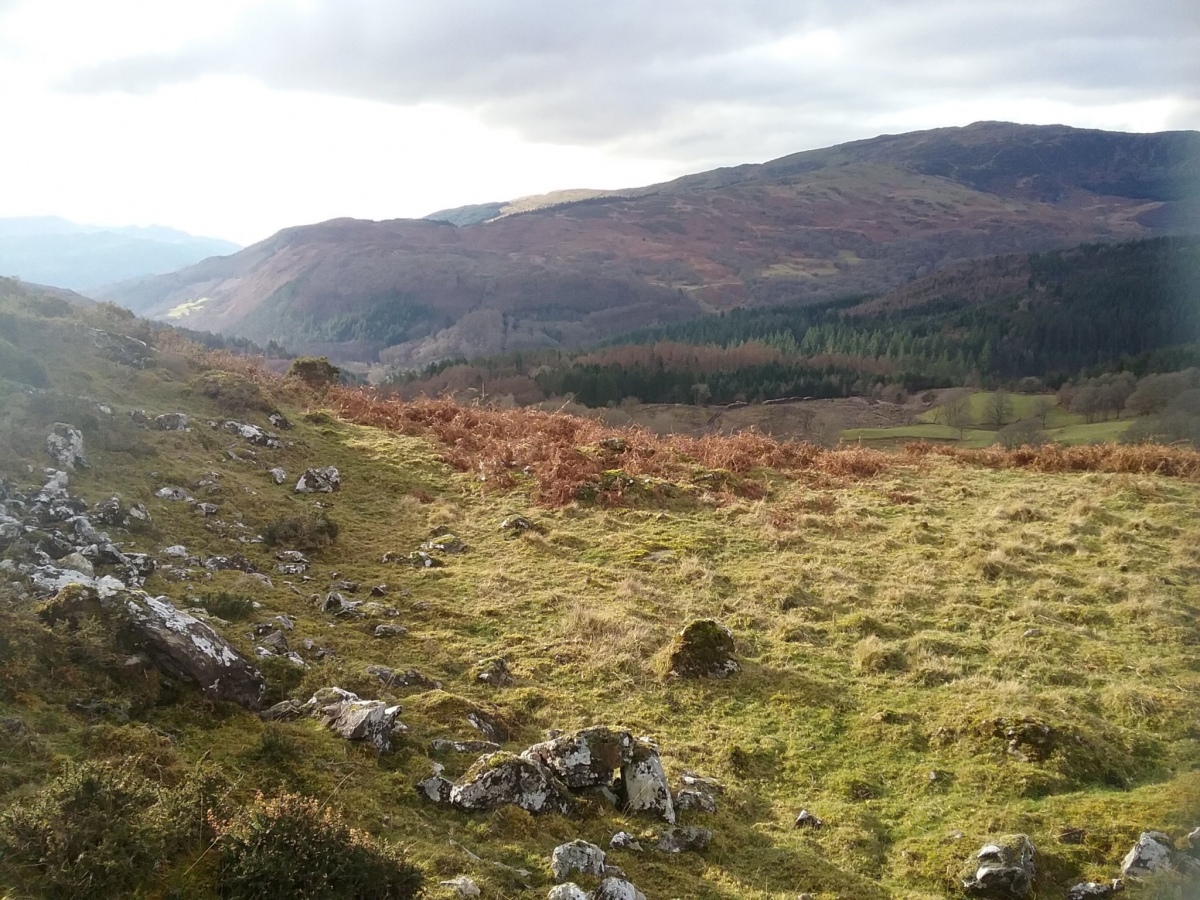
(859,218)
(208,677)
(86,257)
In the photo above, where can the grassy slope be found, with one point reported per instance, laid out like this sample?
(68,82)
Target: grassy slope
(908,599)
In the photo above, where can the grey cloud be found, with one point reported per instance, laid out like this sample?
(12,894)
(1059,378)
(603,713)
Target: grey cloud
(662,77)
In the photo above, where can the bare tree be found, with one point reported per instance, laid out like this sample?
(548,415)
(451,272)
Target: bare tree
(1042,407)
(955,411)
(999,409)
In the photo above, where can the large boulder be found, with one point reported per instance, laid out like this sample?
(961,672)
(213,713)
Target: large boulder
(180,645)
(501,779)
(616,889)
(704,649)
(568,891)
(1002,870)
(65,446)
(577,856)
(170,422)
(1154,852)
(321,480)
(587,758)
(644,785)
(1092,890)
(355,719)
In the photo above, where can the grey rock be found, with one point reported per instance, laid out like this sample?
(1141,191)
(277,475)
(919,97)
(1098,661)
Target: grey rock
(623,840)
(1004,870)
(291,556)
(1153,852)
(355,719)
(616,889)
(1091,890)
(436,789)
(440,745)
(286,709)
(587,758)
(174,494)
(494,672)
(807,820)
(65,446)
(170,422)
(278,474)
(703,649)
(684,838)
(276,642)
(321,480)
(175,551)
(207,509)
(380,590)
(697,800)
(386,631)
(137,517)
(518,523)
(500,779)
(445,544)
(254,435)
(75,562)
(568,891)
(491,727)
(644,784)
(464,887)
(279,421)
(577,856)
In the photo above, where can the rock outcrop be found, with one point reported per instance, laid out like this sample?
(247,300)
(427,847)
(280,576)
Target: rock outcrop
(370,721)
(704,649)
(1002,870)
(1154,852)
(501,779)
(321,480)
(65,446)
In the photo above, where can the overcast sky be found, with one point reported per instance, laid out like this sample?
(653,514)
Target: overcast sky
(234,118)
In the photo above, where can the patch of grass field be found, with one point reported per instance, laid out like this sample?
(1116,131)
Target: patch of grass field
(884,624)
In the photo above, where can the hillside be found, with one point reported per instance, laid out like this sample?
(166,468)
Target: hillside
(934,651)
(86,258)
(859,218)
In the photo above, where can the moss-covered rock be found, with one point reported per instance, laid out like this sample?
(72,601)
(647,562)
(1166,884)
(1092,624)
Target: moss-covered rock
(704,649)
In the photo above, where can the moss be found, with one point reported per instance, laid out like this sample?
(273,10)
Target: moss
(702,649)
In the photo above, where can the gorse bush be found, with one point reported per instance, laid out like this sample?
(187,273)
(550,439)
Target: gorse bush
(306,532)
(99,830)
(229,606)
(289,846)
(315,371)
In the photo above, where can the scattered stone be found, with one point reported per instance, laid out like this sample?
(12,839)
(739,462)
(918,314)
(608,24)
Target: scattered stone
(494,671)
(408,678)
(623,840)
(684,838)
(75,562)
(1028,739)
(617,889)
(704,649)
(436,789)
(464,887)
(278,420)
(278,474)
(643,786)
(322,480)
(440,745)
(254,435)
(380,590)
(287,709)
(692,799)
(518,524)
(237,562)
(808,820)
(491,727)
(577,856)
(1004,870)
(170,422)
(445,544)
(1091,890)
(568,891)
(65,446)
(207,509)
(291,568)
(501,779)
(355,719)
(174,494)
(385,631)
(1153,852)
(422,560)
(1032,633)
(175,551)
(701,783)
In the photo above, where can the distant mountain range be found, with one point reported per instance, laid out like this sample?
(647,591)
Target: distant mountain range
(575,267)
(50,250)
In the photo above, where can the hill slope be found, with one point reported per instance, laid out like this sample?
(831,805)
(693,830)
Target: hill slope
(932,654)
(54,251)
(859,218)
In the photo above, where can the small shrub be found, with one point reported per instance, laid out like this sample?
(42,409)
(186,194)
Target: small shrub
(234,394)
(288,846)
(315,371)
(305,532)
(228,606)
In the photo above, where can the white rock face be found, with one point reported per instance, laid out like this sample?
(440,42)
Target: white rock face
(500,780)
(577,856)
(65,446)
(322,480)
(568,891)
(175,494)
(1154,852)
(464,887)
(645,785)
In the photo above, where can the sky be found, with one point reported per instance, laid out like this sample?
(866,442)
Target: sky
(235,118)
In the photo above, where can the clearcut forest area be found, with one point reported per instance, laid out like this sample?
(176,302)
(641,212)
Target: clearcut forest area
(261,630)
